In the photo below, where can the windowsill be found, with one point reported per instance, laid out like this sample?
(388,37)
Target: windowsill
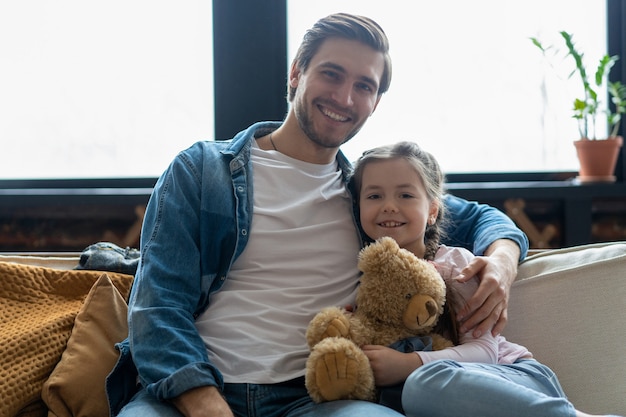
(137,191)
(75,192)
(536,189)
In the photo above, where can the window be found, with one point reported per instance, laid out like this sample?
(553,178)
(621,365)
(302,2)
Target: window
(115,89)
(468,84)
(96,89)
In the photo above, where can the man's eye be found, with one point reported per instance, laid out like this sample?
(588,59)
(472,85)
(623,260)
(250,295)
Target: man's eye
(366,87)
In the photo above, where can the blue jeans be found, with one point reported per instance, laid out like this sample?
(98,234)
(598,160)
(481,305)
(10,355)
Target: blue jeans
(448,388)
(272,400)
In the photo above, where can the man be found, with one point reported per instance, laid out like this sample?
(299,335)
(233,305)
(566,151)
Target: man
(244,241)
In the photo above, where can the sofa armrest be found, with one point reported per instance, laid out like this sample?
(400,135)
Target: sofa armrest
(61,260)
(567,307)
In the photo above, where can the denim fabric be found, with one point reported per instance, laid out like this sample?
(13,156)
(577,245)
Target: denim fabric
(391,396)
(254,400)
(106,256)
(196,224)
(413,344)
(451,389)
(475,226)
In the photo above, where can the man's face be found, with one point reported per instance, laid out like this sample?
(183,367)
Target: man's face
(338,91)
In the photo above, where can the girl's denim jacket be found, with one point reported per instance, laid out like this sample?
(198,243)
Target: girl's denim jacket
(196,224)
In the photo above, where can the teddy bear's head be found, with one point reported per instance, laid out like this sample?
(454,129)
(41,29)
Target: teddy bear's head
(398,289)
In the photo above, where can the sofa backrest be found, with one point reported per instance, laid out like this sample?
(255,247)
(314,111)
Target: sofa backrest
(567,307)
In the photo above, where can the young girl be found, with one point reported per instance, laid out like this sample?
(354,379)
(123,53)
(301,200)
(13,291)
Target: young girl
(399,190)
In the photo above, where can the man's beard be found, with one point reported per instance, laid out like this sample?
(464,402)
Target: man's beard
(306,124)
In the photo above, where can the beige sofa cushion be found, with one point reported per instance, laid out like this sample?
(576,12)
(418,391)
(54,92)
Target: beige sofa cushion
(567,307)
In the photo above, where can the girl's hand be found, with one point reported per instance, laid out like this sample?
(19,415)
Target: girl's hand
(390,366)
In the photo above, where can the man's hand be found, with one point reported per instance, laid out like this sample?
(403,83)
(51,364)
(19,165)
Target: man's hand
(487,309)
(202,402)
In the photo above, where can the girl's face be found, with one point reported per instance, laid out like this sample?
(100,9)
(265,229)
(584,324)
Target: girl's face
(393,202)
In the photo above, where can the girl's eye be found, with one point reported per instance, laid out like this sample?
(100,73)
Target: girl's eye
(373,197)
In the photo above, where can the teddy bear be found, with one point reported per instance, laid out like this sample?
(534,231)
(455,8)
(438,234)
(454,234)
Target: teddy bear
(399,296)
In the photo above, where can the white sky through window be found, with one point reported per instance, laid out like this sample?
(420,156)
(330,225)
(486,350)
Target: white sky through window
(117,88)
(102,88)
(468,85)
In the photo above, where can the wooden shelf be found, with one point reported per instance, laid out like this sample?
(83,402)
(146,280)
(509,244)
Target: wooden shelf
(576,201)
(68,217)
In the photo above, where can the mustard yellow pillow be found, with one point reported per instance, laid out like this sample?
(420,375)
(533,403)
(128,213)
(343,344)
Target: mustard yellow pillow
(38,306)
(76,387)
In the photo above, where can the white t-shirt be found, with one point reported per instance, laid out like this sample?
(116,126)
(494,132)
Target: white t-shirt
(301,257)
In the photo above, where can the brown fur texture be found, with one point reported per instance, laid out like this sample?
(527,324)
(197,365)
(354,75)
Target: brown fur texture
(399,296)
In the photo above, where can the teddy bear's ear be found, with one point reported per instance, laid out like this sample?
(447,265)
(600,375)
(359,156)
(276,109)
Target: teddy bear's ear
(378,254)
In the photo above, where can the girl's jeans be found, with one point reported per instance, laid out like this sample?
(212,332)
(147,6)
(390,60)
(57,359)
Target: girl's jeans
(254,400)
(448,388)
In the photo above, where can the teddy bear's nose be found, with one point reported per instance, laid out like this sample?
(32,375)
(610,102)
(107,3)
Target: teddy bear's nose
(431,307)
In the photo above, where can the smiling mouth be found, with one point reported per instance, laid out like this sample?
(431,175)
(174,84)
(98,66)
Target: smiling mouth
(390,224)
(332,115)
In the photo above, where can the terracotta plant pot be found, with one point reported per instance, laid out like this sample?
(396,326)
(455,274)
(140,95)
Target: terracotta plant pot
(598,158)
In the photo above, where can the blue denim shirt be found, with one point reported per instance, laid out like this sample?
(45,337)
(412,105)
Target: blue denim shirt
(196,224)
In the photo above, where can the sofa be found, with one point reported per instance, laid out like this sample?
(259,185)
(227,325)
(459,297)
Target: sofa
(566,306)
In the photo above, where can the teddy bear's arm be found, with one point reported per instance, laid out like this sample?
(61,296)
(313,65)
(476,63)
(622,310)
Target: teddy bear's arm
(329,322)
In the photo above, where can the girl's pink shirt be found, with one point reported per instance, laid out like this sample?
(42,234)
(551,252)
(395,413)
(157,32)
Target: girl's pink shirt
(449,261)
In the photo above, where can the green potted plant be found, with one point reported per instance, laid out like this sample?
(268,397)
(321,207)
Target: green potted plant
(597,156)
